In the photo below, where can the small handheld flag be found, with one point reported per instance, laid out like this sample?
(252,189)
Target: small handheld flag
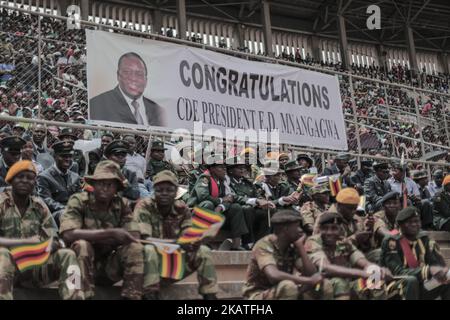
(172,262)
(31,255)
(335,184)
(205,223)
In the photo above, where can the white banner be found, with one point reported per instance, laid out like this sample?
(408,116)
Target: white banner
(165,85)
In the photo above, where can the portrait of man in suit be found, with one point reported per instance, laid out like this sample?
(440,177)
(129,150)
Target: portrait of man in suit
(126,103)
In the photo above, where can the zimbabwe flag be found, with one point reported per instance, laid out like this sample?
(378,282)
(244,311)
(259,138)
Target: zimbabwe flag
(172,264)
(335,184)
(31,255)
(204,218)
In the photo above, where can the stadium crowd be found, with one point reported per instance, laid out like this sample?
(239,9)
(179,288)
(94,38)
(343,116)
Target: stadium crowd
(105,205)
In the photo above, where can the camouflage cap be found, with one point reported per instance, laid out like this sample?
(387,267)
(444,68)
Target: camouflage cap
(406,214)
(330,217)
(285,216)
(63,147)
(116,146)
(157,145)
(319,188)
(67,132)
(165,176)
(105,170)
(291,165)
(12,144)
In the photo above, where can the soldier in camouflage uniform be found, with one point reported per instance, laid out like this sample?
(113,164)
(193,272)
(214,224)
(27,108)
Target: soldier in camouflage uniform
(255,208)
(312,210)
(96,225)
(414,256)
(25,219)
(441,200)
(341,261)
(163,217)
(212,192)
(270,274)
(157,162)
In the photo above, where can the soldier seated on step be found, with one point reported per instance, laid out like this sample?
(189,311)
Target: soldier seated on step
(346,267)
(98,225)
(211,191)
(26,220)
(276,260)
(161,217)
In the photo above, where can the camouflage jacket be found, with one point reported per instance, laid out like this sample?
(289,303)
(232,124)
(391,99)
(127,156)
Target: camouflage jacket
(37,219)
(155,166)
(310,211)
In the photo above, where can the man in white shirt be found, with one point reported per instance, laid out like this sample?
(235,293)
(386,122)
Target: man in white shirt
(135,162)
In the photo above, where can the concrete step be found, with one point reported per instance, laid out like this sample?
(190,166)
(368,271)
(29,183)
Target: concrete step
(439,236)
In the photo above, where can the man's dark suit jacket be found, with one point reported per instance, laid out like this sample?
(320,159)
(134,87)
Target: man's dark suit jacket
(112,106)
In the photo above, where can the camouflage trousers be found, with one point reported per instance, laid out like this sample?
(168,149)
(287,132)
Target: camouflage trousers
(234,218)
(284,290)
(124,263)
(345,289)
(199,260)
(61,266)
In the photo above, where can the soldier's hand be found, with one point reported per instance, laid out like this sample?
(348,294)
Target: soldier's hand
(32,240)
(439,273)
(315,279)
(122,236)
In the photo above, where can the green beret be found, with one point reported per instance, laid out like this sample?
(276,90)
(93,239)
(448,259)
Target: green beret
(406,214)
(330,217)
(285,216)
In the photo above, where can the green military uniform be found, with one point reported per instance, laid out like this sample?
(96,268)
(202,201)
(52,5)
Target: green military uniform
(274,193)
(201,196)
(256,218)
(156,166)
(153,224)
(441,202)
(194,174)
(425,254)
(105,264)
(37,221)
(266,252)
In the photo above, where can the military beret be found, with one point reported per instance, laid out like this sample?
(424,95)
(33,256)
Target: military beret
(157,145)
(285,216)
(63,147)
(67,132)
(390,196)
(446,180)
(12,144)
(116,146)
(419,174)
(330,217)
(406,214)
(348,196)
(342,156)
(165,176)
(18,167)
(291,165)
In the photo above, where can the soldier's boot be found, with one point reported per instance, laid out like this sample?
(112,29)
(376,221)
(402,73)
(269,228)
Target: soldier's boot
(70,276)
(151,282)
(7,270)
(85,254)
(206,272)
(132,263)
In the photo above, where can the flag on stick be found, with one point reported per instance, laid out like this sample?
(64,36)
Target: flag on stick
(31,255)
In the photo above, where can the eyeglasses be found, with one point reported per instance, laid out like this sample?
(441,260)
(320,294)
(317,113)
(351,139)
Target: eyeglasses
(130,73)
